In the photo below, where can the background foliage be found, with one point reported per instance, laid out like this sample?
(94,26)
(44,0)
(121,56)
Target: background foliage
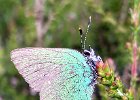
(110,31)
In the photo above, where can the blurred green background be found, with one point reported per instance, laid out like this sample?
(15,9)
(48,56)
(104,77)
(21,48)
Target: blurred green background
(109,32)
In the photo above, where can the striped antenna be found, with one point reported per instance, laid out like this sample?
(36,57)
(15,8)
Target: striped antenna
(89,23)
(83,39)
(81,34)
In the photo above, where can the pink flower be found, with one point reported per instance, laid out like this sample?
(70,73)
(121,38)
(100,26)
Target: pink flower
(134,63)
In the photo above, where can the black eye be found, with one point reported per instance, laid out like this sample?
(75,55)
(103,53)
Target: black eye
(87,53)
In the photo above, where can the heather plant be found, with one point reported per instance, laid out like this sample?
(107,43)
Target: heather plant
(110,83)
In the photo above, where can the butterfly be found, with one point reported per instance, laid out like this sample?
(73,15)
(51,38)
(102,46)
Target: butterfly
(58,73)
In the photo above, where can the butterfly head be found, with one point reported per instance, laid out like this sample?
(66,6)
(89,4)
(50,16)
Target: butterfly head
(90,55)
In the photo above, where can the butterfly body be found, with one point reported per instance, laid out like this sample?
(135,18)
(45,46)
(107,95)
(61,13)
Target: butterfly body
(56,73)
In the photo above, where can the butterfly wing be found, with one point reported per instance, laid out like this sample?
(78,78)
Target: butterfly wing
(58,74)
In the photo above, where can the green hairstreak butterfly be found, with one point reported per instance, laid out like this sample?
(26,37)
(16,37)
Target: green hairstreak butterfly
(58,73)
